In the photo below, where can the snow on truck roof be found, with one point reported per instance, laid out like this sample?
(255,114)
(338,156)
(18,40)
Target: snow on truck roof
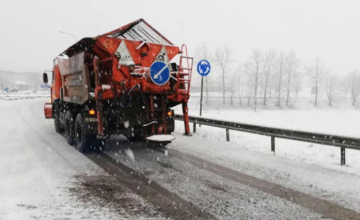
(138,30)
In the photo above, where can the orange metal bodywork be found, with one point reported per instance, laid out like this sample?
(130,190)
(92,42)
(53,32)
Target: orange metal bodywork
(48,110)
(56,83)
(120,73)
(116,78)
(105,47)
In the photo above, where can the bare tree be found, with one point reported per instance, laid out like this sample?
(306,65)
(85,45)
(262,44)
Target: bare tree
(233,82)
(269,58)
(254,66)
(202,52)
(297,82)
(236,83)
(292,64)
(316,73)
(353,79)
(223,57)
(241,80)
(332,87)
(344,86)
(281,60)
(248,80)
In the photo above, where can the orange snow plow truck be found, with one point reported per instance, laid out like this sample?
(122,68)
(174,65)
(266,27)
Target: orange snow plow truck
(122,82)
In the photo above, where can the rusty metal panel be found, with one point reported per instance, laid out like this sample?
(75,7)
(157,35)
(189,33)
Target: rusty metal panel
(142,31)
(76,82)
(72,65)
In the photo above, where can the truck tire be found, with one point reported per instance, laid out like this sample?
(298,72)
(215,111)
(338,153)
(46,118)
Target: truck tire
(85,142)
(69,128)
(58,127)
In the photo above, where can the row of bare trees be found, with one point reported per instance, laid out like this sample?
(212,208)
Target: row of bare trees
(276,74)
(332,83)
(271,73)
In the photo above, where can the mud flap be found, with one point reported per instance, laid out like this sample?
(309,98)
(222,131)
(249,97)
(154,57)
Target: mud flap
(48,110)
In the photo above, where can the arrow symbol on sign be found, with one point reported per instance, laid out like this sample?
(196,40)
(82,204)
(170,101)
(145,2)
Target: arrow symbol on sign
(204,64)
(207,69)
(158,74)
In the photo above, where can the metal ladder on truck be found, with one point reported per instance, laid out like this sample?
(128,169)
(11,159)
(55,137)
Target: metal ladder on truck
(184,81)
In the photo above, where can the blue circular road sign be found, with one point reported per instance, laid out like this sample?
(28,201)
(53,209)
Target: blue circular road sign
(6,89)
(203,67)
(159,73)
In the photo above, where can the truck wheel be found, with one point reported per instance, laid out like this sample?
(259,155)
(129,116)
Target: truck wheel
(85,142)
(80,137)
(69,128)
(58,127)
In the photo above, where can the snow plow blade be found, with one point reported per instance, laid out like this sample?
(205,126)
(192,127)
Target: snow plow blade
(161,138)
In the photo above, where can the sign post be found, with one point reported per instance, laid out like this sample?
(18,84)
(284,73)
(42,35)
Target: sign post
(201,94)
(203,68)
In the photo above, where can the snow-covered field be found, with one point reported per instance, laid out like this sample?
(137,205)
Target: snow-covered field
(341,119)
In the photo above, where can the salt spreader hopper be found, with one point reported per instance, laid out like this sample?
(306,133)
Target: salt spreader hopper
(121,82)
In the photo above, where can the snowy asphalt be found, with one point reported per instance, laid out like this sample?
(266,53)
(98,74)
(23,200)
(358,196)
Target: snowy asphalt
(44,178)
(41,177)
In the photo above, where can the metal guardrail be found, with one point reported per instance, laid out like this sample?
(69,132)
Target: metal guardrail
(19,97)
(326,139)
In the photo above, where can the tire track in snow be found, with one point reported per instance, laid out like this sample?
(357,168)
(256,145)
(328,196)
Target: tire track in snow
(167,202)
(324,207)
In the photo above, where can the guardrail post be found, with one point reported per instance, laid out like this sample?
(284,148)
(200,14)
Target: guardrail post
(227,134)
(272,143)
(194,127)
(342,151)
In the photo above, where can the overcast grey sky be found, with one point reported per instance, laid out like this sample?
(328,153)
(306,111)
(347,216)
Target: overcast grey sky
(30,37)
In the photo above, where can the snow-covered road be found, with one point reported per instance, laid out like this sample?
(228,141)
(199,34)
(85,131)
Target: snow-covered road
(331,185)
(41,177)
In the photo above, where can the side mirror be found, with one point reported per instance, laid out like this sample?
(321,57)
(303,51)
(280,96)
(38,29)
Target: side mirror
(45,78)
